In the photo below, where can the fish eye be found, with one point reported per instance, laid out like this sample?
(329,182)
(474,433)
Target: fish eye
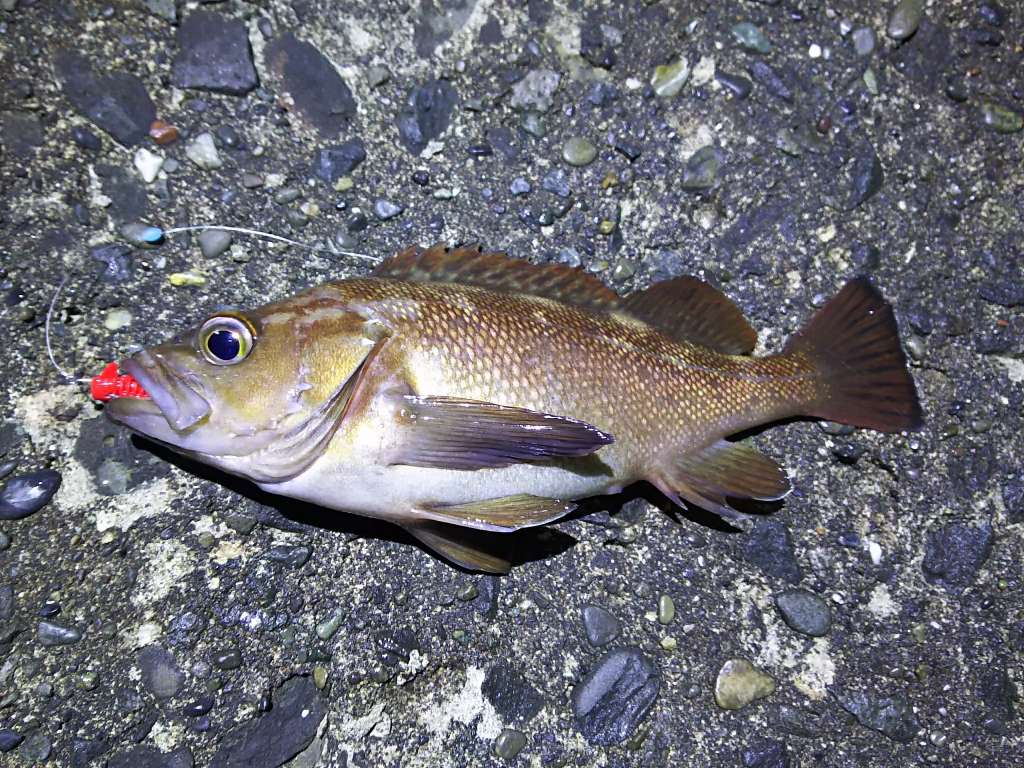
(225,340)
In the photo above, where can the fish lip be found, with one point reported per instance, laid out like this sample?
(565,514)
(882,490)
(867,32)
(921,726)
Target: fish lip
(170,395)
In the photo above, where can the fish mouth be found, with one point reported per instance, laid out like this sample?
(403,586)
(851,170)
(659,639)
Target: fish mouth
(172,401)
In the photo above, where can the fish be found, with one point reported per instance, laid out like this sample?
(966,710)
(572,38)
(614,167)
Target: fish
(457,392)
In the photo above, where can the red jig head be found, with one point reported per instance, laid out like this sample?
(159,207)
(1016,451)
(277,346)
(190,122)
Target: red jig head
(110,384)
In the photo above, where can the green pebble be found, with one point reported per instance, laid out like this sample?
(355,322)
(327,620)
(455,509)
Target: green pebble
(666,609)
(701,170)
(241,524)
(87,681)
(1000,119)
(751,38)
(458,634)
(207,540)
(214,684)
(578,151)
(467,592)
(534,126)
(320,676)
(509,744)
(668,79)
(325,629)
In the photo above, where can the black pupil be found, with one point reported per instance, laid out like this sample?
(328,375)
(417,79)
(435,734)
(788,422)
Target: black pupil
(224,345)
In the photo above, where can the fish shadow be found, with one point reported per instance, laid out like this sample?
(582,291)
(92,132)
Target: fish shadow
(519,547)
(296,516)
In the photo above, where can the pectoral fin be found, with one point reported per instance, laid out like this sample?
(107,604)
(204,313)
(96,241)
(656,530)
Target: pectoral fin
(505,514)
(450,433)
(462,546)
(722,470)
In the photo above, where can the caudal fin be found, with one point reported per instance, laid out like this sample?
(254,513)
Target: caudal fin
(854,344)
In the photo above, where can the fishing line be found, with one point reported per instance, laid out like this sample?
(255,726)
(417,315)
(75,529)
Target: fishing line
(153,238)
(110,382)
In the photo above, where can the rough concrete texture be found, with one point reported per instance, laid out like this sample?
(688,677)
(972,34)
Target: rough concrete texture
(155,613)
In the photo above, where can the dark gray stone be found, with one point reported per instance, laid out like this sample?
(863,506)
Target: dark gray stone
(891,716)
(6,601)
(1005,293)
(804,612)
(118,261)
(557,183)
(160,672)
(764,75)
(739,86)
(767,754)
(214,55)
(26,494)
(427,114)
(83,751)
(320,94)
(20,132)
(278,735)
(227,659)
(291,556)
(770,547)
(147,756)
(954,553)
(9,739)
(613,698)
(1013,499)
(118,103)
(331,163)
(511,694)
(866,178)
(600,626)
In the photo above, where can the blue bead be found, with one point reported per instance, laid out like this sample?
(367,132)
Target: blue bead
(152,234)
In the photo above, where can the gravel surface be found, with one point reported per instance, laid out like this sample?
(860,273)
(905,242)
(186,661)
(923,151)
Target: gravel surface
(154,613)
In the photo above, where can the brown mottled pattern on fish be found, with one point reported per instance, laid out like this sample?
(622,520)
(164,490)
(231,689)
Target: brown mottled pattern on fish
(457,390)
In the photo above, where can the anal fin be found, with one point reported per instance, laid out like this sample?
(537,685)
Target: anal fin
(506,514)
(723,470)
(463,546)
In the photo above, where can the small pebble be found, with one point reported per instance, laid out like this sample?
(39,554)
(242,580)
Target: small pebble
(739,683)
(905,19)
(385,209)
(509,744)
(600,626)
(520,186)
(1001,119)
(327,628)
(751,38)
(163,133)
(51,633)
(227,659)
(666,609)
(148,164)
(578,151)
(668,79)
(203,152)
(213,242)
(804,612)
(183,279)
(117,318)
(9,739)
(27,494)
(864,41)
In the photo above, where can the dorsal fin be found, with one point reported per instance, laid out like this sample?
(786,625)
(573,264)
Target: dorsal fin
(688,309)
(470,265)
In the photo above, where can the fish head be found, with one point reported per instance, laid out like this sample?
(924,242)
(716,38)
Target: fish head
(255,392)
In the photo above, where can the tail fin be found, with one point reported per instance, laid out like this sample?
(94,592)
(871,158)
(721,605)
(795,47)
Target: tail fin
(854,344)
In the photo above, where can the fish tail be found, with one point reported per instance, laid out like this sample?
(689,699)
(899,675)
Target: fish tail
(853,344)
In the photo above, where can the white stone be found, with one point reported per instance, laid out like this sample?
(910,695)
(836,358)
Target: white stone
(814,51)
(117,318)
(203,152)
(148,164)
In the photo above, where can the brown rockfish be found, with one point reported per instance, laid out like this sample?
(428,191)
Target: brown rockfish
(454,389)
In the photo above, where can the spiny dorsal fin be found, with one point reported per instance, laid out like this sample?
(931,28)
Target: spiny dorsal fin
(688,309)
(470,265)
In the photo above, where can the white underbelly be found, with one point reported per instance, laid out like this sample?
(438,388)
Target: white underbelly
(392,492)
